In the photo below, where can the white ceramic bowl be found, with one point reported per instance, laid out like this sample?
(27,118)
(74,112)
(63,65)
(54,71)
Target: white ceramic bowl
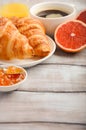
(14,86)
(51,23)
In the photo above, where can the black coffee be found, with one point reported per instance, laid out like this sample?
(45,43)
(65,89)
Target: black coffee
(55,13)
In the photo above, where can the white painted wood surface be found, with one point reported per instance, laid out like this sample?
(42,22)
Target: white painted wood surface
(43,107)
(54,96)
(71,59)
(55,77)
(41,126)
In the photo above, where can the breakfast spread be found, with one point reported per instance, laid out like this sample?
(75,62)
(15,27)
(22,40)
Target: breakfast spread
(23,37)
(11,75)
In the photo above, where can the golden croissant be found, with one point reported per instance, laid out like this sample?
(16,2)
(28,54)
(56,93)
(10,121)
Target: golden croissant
(35,33)
(12,43)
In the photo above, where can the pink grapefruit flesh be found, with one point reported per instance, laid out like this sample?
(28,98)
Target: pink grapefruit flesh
(71,36)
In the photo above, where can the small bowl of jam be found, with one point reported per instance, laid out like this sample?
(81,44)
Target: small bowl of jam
(51,14)
(11,77)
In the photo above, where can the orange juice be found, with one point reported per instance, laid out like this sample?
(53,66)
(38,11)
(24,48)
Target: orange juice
(14,9)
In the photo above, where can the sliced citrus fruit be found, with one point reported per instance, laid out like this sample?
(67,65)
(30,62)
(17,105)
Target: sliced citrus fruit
(82,16)
(71,36)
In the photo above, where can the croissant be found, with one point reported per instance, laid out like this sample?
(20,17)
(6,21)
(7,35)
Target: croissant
(12,43)
(25,24)
(35,33)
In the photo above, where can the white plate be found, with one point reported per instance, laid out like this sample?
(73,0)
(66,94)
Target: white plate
(33,61)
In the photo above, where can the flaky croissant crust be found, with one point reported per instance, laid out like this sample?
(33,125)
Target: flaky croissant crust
(12,43)
(35,32)
(22,38)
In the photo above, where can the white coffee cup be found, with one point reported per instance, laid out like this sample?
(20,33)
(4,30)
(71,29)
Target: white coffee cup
(51,23)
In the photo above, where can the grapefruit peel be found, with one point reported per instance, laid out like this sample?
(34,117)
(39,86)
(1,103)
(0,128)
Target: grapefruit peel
(82,16)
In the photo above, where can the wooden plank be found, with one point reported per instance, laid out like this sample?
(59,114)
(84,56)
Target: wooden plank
(61,57)
(43,107)
(55,78)
(41,126)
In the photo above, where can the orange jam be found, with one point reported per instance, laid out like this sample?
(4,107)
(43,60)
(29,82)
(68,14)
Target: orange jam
(14,9)
(10,79)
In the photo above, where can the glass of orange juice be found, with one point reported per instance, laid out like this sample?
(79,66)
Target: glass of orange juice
(10,8)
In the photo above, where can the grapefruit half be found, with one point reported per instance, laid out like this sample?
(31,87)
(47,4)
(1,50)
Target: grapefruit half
(82,16)
(71,36)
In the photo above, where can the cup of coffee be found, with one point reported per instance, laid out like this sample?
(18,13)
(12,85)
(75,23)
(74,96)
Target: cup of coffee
(51,14)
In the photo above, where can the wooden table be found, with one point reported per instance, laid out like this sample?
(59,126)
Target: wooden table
(53,98)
